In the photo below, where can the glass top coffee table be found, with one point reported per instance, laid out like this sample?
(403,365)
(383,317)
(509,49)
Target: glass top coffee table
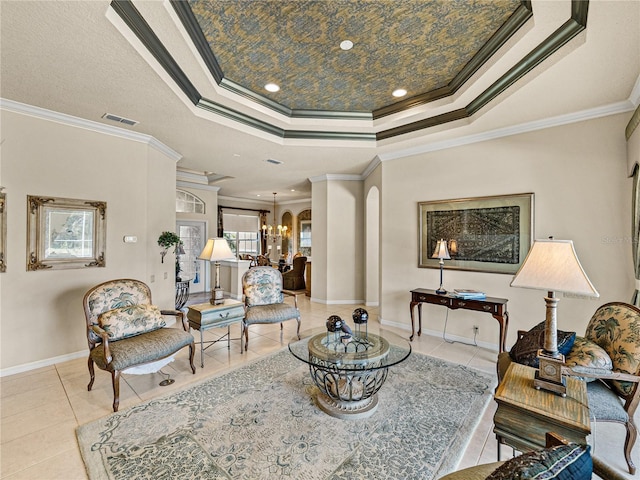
(349,369)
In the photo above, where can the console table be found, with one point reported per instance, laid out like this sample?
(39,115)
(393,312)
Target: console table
(524,414)
(497,307)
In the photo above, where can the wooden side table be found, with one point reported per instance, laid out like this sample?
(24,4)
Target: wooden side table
(524,414)
(203,316)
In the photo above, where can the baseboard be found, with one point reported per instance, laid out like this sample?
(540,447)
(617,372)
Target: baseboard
(337,302)
(42,363)
(434,333)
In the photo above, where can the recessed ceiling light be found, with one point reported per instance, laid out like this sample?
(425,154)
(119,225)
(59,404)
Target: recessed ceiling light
(293,189)
(272,87)
(401,92)
(346,45)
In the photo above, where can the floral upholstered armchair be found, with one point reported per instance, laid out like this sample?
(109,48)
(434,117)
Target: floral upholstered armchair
(264,300)
(125,331)
(607,357)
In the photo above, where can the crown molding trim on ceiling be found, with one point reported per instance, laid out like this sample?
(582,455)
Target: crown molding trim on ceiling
(581,116)
(63,118)
(130,15)
(522,14)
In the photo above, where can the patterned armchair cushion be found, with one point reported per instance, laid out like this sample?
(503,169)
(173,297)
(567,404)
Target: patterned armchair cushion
(120,293)
(525,350)
(616,328)
(588,356)
(131,320)
(262,286)
(564,462)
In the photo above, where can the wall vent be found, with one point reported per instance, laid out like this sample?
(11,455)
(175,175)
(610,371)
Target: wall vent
(275,162)
(116,118)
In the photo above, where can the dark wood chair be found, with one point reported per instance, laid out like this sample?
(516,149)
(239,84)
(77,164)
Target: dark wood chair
(125,330)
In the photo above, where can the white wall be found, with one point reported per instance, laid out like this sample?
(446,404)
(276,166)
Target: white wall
(582,193)
(338,241)
(41,311)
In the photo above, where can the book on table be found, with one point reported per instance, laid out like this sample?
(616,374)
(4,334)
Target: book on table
(469,294)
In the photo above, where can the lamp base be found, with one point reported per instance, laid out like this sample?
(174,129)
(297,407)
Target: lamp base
(217,296)
(549,374)
(441,291)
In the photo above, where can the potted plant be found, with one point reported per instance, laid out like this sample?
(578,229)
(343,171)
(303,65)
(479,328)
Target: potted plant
(166,240)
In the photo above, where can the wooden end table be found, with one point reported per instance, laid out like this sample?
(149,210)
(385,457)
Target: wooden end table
(203,316)
(524,414)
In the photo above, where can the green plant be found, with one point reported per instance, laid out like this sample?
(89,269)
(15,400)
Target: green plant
(167,240)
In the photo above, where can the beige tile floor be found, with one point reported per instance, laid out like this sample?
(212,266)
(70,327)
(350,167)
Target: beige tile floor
(41,409)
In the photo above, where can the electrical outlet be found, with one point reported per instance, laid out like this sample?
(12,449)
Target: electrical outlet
(153,278)
(476,329)
(166,275)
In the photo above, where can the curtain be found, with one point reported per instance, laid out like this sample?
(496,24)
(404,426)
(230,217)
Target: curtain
(220,223)
(263,239)
(635,233)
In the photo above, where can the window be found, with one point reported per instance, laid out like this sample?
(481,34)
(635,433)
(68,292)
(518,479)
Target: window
(242,233)
(188,203)
(243,243)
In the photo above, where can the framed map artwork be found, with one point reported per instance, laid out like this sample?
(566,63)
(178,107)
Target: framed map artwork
(486,234)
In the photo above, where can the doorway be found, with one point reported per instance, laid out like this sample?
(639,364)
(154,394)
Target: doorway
(193,236)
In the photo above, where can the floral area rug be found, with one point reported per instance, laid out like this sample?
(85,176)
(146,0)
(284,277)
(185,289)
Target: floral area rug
(260,422)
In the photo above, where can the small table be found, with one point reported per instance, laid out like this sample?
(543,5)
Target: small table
(497,307)
(524,414)
(203,316)
(350,372)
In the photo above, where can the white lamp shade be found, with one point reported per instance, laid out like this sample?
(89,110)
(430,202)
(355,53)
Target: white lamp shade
(553,265)
(441,250)
(216,249)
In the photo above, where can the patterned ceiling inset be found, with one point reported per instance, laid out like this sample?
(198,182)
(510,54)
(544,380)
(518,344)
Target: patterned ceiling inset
(419,46)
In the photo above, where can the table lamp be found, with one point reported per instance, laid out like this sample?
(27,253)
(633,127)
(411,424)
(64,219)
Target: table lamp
(215,250)
(552,265)
(442,253)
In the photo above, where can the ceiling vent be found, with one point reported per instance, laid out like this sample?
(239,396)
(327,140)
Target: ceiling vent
(116,118)
(275,162)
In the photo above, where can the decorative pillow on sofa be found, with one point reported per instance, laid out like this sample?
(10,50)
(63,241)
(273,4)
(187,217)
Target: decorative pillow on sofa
(132,320)
(525,350)
(564,462)
(589,356)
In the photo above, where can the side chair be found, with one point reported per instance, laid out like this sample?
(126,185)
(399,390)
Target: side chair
(124,330)
(264,300)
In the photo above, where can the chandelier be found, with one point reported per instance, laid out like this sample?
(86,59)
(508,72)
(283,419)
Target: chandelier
(275,231)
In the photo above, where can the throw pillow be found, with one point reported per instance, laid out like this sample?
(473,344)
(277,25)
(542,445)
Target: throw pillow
(564,462)
(525,350)
(588,355)
(131,320)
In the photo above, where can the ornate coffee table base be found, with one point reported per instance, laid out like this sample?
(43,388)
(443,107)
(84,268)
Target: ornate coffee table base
(347,410)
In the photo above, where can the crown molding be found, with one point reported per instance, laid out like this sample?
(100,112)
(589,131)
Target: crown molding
(196,186)
(580,116)
(336,176)
(63,118)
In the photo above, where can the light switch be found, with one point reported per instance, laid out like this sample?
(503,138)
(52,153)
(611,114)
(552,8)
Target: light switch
(130,239)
